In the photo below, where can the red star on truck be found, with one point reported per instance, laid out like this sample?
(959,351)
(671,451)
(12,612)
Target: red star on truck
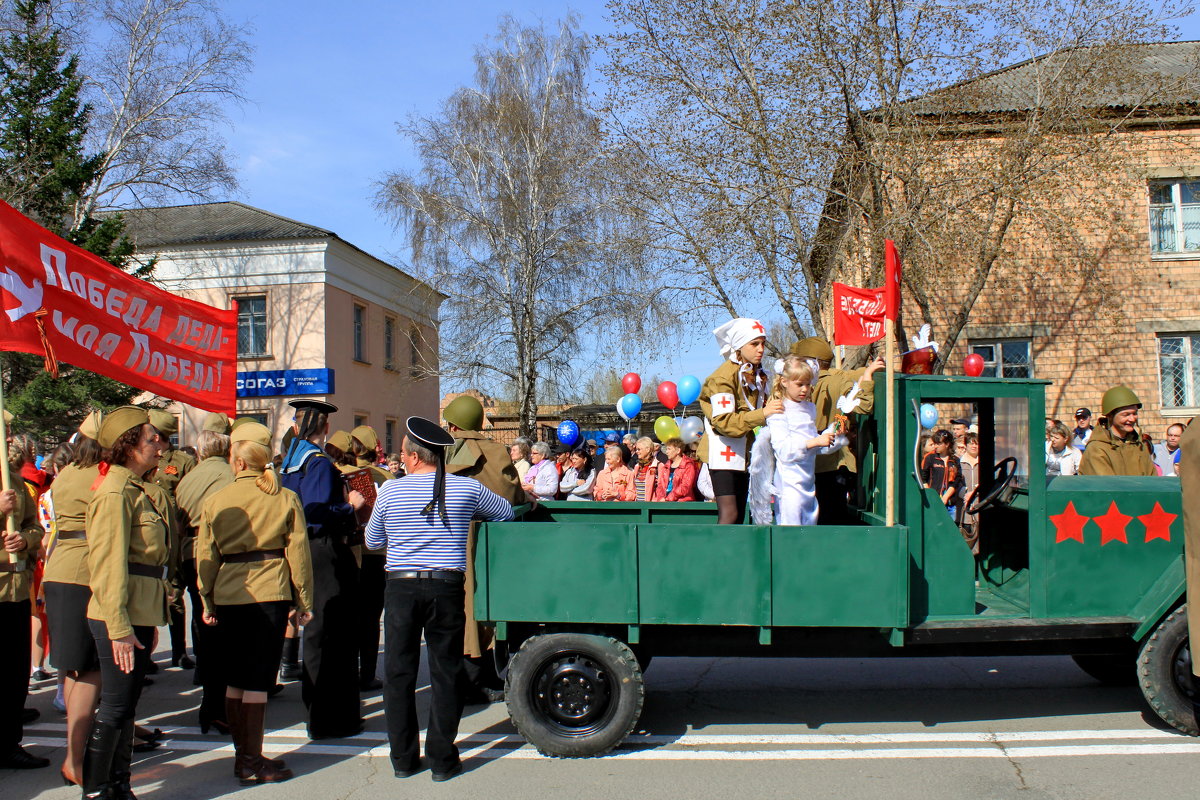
(1069,524)
(1158,523)
(1112,525)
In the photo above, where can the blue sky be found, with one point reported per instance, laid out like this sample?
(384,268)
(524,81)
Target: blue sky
(331,81)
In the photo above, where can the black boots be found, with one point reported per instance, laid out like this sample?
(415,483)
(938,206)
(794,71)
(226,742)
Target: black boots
(98,760)
(289,667)
(121,759)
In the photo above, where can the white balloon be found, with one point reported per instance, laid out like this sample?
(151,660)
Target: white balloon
(690,429)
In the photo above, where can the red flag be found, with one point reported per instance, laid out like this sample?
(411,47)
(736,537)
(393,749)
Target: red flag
(98,318)
(857,314)
(891,263)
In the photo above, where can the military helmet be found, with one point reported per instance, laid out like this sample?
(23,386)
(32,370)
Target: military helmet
(465,412)
(1118,397)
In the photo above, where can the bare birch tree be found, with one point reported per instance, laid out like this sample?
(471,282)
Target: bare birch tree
(161,77)
(509,217)
(786,140)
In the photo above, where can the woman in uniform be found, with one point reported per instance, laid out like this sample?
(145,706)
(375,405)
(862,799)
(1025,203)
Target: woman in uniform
(252,564)
(128,552)
(734,402)
(67,593)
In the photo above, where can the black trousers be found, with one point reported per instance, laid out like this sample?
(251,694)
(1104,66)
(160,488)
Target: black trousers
(372,577)
(178,622)
(832,489)
(15,621)
(120,691)
(412,608)
(330,684)
(209,670)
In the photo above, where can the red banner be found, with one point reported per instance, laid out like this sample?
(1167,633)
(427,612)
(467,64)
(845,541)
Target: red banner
(891,272)
(857,314)
(98,318)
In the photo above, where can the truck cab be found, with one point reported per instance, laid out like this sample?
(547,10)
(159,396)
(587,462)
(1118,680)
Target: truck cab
(584,594)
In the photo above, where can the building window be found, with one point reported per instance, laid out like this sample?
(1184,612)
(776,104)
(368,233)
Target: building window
(389,436)
(1179,370)
(252,326)
(389,343)
(1005,359)
(360,325)
(260,417)
(360,420)
(414,352)
(1175,216)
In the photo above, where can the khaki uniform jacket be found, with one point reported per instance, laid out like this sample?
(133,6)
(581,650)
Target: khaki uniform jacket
(473,455)
(15,586)
(71,492)
(209,475)
(1189,480)
(1107,455)
(172,466)
(128,520)
(831,385)
(242,518)
(740,421)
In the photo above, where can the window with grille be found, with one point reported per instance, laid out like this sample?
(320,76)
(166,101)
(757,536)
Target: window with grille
(389,435)
(414,352)
(1010,358)
(1179,369)
(389,343)
(252,326)
(1175,216)
(360,324)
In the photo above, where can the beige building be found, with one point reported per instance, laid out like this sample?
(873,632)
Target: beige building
(317,317)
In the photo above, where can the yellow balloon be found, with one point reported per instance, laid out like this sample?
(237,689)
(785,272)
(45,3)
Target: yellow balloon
(666,428)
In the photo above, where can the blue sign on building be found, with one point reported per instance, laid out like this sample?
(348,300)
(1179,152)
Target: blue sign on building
(276,382)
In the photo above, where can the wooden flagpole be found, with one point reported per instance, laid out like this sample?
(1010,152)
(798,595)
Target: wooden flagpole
(890,409)
(5,477)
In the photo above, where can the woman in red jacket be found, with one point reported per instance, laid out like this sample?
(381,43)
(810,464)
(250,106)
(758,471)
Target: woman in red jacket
(677,477)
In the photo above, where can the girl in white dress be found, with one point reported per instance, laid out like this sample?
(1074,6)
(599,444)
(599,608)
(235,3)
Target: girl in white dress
(796,443)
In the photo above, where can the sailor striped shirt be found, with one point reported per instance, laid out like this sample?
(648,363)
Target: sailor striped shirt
(417,541)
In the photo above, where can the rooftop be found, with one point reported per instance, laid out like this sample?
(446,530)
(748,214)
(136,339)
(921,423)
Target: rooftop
(228,221)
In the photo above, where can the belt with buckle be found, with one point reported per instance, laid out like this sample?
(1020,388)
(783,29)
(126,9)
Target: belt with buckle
(148,570)
(252,555)
(428,574)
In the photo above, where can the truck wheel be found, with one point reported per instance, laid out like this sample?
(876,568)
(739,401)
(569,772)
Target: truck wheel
(1164,669)
(1116,669)
(574,695)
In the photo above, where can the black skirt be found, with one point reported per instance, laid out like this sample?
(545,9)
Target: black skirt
(249,640)
(72,646)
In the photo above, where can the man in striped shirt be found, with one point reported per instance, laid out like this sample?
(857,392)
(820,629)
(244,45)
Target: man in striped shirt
(423,519)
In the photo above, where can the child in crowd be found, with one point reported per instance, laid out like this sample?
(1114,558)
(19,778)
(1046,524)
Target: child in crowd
(942,471)
(1061,457)
(795,443)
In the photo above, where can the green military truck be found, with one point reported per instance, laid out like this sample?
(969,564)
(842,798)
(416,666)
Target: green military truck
(584,594)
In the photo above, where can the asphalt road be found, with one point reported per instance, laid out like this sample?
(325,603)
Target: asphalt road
(724,728)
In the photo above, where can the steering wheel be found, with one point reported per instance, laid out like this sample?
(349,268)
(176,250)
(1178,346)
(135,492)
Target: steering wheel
(1005,470)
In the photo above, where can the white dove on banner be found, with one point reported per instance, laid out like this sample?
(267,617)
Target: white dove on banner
(30,297)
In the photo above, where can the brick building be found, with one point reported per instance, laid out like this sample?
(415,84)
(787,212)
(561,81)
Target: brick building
(1129,314)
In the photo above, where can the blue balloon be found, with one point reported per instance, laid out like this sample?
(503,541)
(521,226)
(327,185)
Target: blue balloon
(929,416)
(568,432)
(629,406)
(688,389)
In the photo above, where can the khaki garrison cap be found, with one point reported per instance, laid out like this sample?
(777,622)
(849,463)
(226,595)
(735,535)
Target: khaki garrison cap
(120,420)
(216,422)
(252,432)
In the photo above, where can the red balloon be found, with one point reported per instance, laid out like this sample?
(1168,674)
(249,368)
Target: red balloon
(973,365)
(631,383)
(668,394)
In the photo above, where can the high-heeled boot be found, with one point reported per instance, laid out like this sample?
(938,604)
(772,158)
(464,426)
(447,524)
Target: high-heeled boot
(98,760)
(121,765)
(258,769)
(289,665)
(241,767)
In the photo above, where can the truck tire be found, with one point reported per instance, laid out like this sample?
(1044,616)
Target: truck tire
(1116,669)
(574,695)
(1164,668)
